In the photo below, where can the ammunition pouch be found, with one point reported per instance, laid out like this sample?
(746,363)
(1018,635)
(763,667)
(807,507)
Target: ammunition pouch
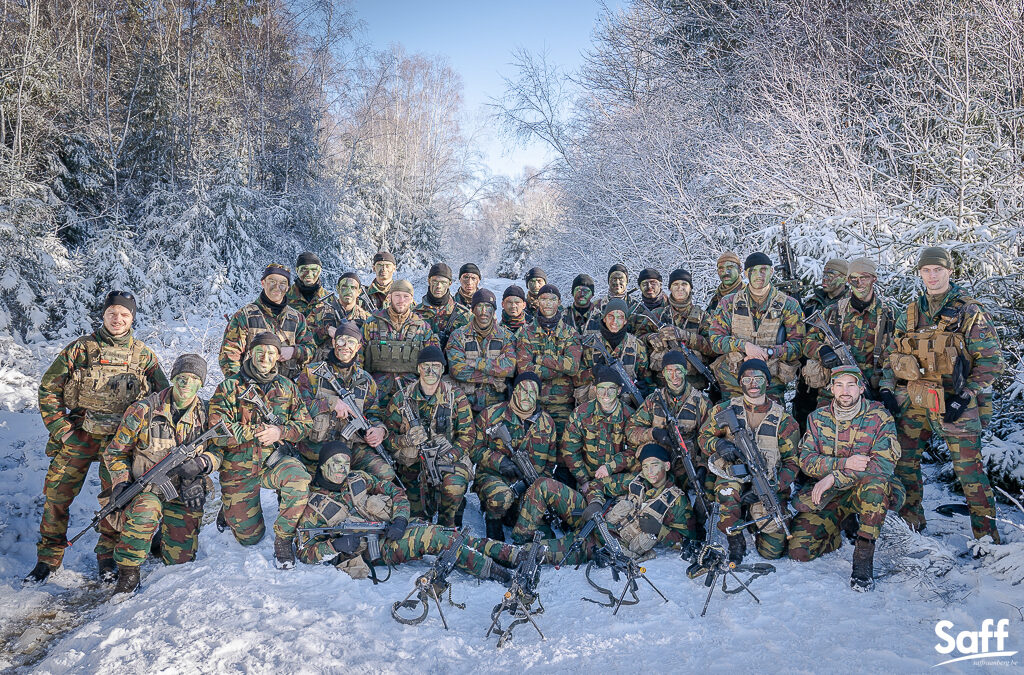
(928,395)
(815,375)
(322,426)
(100,424)
(355,566)
(905,366)
(935,350)
(768,525)
(392,356)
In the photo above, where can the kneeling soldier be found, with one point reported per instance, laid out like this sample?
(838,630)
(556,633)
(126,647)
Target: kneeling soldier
(851,447)
(149,431)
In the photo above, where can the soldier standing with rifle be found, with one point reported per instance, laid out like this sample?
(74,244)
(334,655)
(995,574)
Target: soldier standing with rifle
(943,358)
(582,310)
(82,396)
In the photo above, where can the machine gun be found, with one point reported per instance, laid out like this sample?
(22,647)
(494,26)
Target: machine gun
(680,452)
(524,466)
(356,422)
(714,389)
(763,484)
(159,477)
(521,595)
(432,584)
(817,320)
(268,416)
(633,395)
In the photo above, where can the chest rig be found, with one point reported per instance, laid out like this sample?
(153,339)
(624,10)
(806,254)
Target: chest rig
(113,378)
(767,333)
(353,502)
(766,435)
(164,435)
(625,516)
(389,351)
(284,326)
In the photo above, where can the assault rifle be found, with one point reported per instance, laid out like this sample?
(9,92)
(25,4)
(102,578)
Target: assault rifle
(521,595)
(524,466)
(159,477)
(633,394)
(714,389)
(356,421)
(369,531)
(429,451)
(763,484)
(268,416)
(789,283)
(432,584)
(682,453)
(817,320)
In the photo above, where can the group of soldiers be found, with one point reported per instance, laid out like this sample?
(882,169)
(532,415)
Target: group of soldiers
(363,405)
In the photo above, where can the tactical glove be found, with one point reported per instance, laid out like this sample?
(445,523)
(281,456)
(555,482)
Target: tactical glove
(828,357)
(396,529)
(728,451)
(956,407)
(417,436)
(888,399)
(661,436)
(507,468)
(650,525)
(190,468)
(346,544)
(193,494)
(116,491)
(592,509)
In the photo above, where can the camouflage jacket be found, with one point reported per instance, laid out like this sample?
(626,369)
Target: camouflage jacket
(328,315)
(479,365)
(639,324)
(721,292)
(378,294)
(295,298)
(690,408)
(319,397)
(674,527)
(256,318)
(866,333)
(554,355)
(536,435)
(531,307)
(630,351)
(720,333)
(690,321)
(362,485)
(74,363)
(465,301)
(828,442)
(819,299)
(443,320)
(390,351)
(243,454)
(594,438)
(446,413)
(582,321)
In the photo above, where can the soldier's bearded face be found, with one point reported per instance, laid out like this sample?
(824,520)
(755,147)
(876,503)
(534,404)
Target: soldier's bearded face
(439,286)
(430,373)
(728,272)
(675,376)
(264,358)
(348,292)
(615,320)
(535,284)
(346,347)
(384,270)
(581,296)
(832,281)
(863,285)
(185,388)
(680,291)
(117,320)
(514,306)
(469,283)
(847,390)
(548,305)
(400,301)
(607,396)
(275,286)
(654,470)
(759,277)
(935,278)
(617,284)
(525,396)
(483,314)
(651,288)
(310,274)
(336,468)
(754,385)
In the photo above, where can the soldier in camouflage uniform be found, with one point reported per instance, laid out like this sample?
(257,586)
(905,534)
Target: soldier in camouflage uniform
(151,428)
(331,415)
(339,495)
(439,309)
(833,289)
(594,445)
(379,290)
(394,337)
(863,323)
(250,459)
(652,298)
(513,309)
(582,313)
(681,322)
(270,313)
(943,358)
(307,291)
(618,280)
(776,434)
(647,510)
(328,315)
(758,322)
(550,348)
(431,424)
(850,448)
(482,355)
(498,482)
(619,342)
(82,396)
(728,268)
(469,283)
(536,279)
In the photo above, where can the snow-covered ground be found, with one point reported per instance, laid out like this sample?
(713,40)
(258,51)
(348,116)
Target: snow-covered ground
(231,610)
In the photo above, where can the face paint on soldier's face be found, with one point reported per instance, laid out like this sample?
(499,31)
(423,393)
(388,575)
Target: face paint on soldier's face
(863,286)
(384,271)
(535,284)
(581,296)
(680,291)
(607,395)
(847,390)
(935,279)
(615,320)
(336,469)
(617,284)
(483,315)
(264,358)
(754,386)
(469,283)
(117,320)
(651,288)
(514,306)
(525,396)
(675,377)
(654,470)
(833,281)
(348,292)
(184,389)
(728,272)
(430,373)
(310,274)
(759,276)
(548,305)
(400,301)
(275,286)
(439,286)
(346,347)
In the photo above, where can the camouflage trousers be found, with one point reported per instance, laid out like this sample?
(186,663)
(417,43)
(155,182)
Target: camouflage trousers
(64,479)
(364,458)
(443,500)
(916,426)
(496,495)
(179,530)
(545,496)
(732,511)
(612,485)
(817,530)
(241,500)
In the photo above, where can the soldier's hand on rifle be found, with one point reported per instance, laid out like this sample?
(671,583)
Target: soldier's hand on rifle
(856,462)
(193,495)
(661,437)
(342,410)
(417,435)
(602,471)
(116,490)
(268,435)
(346,543)
(828,357)
(286,353)
(755,351)
(507,468)
(728,451)
(956,407)
(197,466)
(820,487)
(375,435)
(396,529)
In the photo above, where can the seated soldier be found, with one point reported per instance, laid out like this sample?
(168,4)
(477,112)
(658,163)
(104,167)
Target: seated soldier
(339,495)
(851,447)
(499,482)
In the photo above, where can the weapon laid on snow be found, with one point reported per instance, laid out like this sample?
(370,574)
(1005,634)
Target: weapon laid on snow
(521,595)
(432,584)
(370,531)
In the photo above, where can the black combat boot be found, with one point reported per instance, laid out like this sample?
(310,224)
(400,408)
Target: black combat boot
(737,548)
(494,529)
(863,575)
(284,556)
(38,574)
(156,546)
(222,522)
(127,579)
(107,570)
(851,525)
(493,572)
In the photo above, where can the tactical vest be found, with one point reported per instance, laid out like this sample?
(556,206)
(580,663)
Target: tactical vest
(625,516)
(766,335)
(112,379)
(331,508)
(480,392)
(767,433)
(326,424)
(931,352)
(393,355)
(686,415)
(162,437)
(283,326)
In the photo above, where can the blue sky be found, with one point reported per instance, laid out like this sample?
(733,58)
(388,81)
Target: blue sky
(478,38)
